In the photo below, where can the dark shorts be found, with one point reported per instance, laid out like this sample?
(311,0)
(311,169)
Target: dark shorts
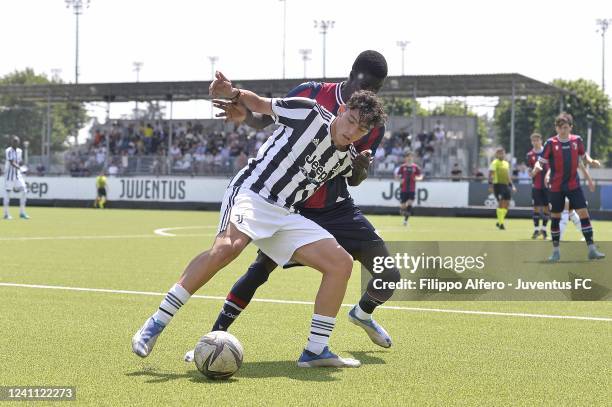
(347,224)
(406,196)
(502,192)
(102,192)
(575,197)
(539,197)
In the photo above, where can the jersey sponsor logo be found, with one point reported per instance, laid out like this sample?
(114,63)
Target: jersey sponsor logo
(316,173)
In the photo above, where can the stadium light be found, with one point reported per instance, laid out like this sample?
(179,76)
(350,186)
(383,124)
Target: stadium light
(305,58)
(137,68)
(77,8)
(284,32)
(603,24)
(324,25)
(402,45)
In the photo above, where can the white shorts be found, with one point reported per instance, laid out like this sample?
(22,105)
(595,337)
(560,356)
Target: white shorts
(16,185)
(275,230)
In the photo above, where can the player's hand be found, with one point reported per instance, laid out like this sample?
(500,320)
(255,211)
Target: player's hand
(591,185)
(513,189)
(363,160)
(595,163)
(221,87)
(231,112)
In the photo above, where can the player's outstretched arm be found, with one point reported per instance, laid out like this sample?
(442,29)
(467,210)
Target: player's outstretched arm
(222,87)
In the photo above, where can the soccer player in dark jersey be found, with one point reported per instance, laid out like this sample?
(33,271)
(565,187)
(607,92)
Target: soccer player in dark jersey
(539,190)
(408,173)
(562,153)
(331,206)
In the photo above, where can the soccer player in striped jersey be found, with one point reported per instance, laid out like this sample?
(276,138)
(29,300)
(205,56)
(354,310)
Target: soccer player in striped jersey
(539,190)
(310,146)
(13,179)
(331,205)
(562,153)
(408,173)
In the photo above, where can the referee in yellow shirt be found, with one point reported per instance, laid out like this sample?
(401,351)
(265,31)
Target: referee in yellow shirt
(500,183)
(101,186)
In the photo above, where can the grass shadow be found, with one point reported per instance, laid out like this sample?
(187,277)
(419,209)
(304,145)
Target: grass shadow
(367,358)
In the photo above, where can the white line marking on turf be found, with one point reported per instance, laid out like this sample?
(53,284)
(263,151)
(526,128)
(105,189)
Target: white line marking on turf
(209,297)
(26,238)
(164,231)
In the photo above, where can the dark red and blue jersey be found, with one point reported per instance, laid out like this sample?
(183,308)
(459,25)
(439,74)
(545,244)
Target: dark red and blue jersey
(408,173)
(533,156)
(562,157)
(329,95)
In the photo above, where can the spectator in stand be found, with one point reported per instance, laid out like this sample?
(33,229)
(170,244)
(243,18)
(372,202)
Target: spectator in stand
(456,173)
(113,170)
(478,174)
(523,174)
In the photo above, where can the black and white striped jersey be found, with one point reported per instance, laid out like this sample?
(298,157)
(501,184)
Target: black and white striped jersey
(15,155)
(298,158)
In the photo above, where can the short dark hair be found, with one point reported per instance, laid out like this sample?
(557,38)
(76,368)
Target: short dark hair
(371,111)
(371,62)
(564,118)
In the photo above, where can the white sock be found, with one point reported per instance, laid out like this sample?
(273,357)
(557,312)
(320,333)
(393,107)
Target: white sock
(6,202)
(361,314)
(22,202)
(576,219)
(321,328)
(174,300)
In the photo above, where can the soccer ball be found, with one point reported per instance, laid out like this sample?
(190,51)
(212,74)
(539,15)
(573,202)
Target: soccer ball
(218,355)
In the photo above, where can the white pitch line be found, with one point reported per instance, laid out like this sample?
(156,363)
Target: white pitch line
(95,237)
(417,309)
(164,231)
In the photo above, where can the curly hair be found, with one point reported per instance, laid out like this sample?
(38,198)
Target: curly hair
(371,111)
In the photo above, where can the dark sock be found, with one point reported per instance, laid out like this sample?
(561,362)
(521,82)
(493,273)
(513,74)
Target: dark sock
(587,230)
(536,219)
(555,232)
(545,217)
(241,294)
(367,303)
(408,211)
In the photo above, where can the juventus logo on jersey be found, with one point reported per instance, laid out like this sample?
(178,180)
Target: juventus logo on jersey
(239,218)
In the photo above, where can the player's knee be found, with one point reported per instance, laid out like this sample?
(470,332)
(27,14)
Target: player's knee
(344,265)
(265,263)
(225,251)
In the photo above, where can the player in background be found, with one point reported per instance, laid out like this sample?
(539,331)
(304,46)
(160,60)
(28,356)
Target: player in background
(331,206)
(562,153)
(101,187)
(500,184)
(408,173)
(310,147)
(13,178)
(539,189)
